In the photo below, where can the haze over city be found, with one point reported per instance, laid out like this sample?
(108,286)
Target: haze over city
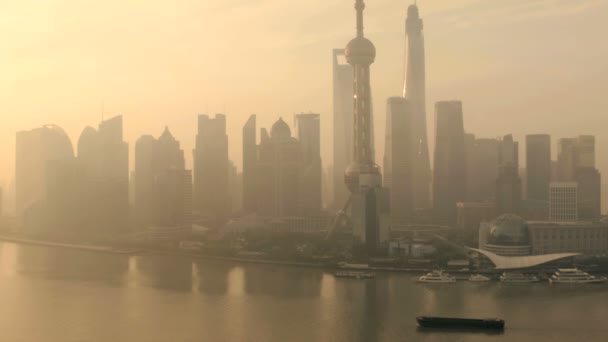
(518,66)
(272,170)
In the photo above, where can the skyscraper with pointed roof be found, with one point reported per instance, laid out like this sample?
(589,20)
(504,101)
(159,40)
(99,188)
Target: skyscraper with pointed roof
(414,90)
(158,162)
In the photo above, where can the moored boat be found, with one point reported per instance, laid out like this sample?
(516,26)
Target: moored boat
(460,323)
(478,278)
(575,276)
(437,277)
(518,277)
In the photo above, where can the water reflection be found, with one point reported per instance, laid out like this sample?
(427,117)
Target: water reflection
(68,264)
(212,277)
(163,298)
(282,281)
(171,273)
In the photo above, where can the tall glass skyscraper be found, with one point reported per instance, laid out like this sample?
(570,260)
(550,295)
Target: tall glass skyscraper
(414,90)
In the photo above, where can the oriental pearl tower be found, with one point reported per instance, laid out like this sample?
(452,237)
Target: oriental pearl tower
(369,200)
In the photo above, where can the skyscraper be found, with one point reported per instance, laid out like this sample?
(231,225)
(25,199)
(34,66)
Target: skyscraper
(415,91)
(250,189)
(585,151)
(589,193)
(34,149)
(159,163)
(211,186)
(105,160)
(538,166)
(397,164)
(363,179)
(574,153)
(343,125)
(278,170)
(449,172)
(309,135)
(482,167)
(508,185)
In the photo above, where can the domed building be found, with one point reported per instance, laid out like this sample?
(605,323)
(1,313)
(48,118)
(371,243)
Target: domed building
(507,235)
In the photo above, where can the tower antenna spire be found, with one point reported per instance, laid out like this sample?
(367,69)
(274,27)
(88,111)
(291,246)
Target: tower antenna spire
(359,6)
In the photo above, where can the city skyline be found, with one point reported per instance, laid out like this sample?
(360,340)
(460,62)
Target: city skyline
(87,110)
(168,168)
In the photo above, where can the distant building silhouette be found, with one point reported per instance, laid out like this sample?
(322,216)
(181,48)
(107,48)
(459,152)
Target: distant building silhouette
(309,135)
(34,149)
(449,181)
(538,166)
(415,91)
(576,163)
(211,185)
(278,172)
(508,185)
(398,170)
(163,188)
(104,157)
(589,193)
(574,153)
(343,125)
(250,182)
(482,167)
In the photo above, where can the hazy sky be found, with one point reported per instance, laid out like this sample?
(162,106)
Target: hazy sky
(519,66)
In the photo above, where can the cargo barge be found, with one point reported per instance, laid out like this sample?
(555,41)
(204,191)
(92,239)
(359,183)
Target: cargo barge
(460,323)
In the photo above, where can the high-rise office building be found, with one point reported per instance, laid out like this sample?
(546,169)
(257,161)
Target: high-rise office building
(508,184)
(566,159)
(343,125)
(278,168)
(250,187)
(563,204)
(309,135)
(34,149)
(415,91)
(585,151)
(211,186)
(589,193)
(449,172)
(370,211)
(574,153)
(538,166)
(104,157)
(482,168)
(158,164)
(398,170)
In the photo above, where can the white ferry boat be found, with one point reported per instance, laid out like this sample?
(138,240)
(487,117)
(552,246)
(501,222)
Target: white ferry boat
(438,277)
(478,278)
(574,276)
(518,277)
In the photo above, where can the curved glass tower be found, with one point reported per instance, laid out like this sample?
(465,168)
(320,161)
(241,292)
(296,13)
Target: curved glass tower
(414,90)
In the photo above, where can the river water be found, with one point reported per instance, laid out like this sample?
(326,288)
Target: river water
(53,294)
